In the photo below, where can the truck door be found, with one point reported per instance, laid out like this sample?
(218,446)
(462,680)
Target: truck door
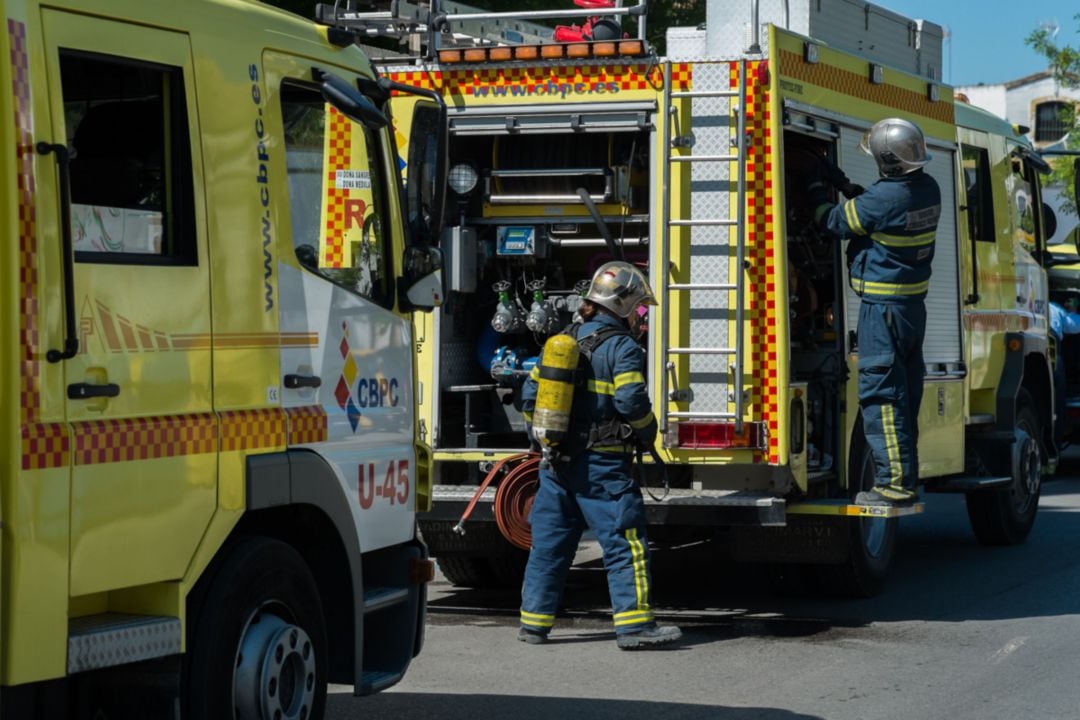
(346,355)
(144,438)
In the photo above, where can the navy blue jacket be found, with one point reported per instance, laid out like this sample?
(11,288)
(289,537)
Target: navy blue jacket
(613,389)
(892,227)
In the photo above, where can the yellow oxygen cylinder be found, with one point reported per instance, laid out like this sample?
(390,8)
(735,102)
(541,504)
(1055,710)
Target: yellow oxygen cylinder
(555,389)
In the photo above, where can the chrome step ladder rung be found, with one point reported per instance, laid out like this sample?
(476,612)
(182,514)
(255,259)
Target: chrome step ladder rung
(704,222)
(703,286)
(705,93)
(700,351)
(686,415)
(705,158)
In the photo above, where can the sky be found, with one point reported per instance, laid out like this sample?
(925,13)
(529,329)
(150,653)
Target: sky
(987,36)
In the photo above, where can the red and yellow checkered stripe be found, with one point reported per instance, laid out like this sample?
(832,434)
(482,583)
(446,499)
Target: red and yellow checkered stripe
(29,391)
(761,249)
(109,441)
(306,424)
(466,80)
(45,445)
(339,157)
(48,445)
(252,429)
(856,85)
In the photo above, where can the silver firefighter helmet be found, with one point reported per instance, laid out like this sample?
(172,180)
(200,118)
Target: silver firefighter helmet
(620,287)
(898,146)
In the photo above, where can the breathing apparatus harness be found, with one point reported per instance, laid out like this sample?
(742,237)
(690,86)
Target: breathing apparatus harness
(609,432)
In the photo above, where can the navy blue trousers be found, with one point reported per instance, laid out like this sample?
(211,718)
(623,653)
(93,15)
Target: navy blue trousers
(596,491)
(891,374)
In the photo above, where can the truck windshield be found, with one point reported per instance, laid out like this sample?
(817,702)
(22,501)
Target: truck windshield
(336,194)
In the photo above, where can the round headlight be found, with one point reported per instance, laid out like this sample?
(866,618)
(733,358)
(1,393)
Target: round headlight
(462,178)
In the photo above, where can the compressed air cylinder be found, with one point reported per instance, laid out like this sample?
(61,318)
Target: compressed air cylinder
(555,389)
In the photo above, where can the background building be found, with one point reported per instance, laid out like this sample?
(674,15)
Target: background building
(1035,101)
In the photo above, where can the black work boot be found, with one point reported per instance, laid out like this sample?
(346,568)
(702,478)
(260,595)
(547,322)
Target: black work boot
(649,638)
(887,496)
(532,637)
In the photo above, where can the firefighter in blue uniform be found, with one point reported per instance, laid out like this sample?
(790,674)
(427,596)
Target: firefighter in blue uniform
(891,227)
(589,483)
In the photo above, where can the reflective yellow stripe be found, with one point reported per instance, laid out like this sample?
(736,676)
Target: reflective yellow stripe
(852,216)
(534,620)
(528,416)
(600,387)
(535,373)
(869,287)
(902,241)
(643,422)
(892,446)
(609,448)
(628,377)
(638,618)
(896,493)
(641,577)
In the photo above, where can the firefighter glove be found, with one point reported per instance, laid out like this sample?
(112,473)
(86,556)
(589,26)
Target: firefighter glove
(851,190)
(646,435)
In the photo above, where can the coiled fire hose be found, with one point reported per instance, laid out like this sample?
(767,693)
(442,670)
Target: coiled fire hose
(513,498)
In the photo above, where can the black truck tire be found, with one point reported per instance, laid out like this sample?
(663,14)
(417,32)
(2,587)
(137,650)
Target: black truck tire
(1005,516)
(481,558)
(257,642)
(871,541)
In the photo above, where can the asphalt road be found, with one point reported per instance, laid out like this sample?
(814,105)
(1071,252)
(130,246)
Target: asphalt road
(962,632)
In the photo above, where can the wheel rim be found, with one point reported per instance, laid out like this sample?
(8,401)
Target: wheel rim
(274,672)
(875,531)
(1027,470)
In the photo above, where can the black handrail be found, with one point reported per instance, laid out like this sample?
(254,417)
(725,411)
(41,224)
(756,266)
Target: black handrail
(63,166)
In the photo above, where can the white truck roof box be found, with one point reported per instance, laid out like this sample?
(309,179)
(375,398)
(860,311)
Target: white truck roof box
(856,26)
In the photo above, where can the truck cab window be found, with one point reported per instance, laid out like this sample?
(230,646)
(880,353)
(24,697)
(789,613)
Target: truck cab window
(131,179)
(336,195)
(980,201)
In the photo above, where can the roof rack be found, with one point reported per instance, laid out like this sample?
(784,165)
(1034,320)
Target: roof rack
(428,26)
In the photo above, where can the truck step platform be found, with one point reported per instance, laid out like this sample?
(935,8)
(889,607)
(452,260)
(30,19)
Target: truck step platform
(969,484)
(380,598)
(683,506)
(372,681)
(99,641)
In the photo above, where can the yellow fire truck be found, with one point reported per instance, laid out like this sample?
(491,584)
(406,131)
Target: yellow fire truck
(209,465)
(694,162)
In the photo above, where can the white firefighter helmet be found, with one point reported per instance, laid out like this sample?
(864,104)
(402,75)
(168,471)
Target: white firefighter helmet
(620,287)
(897,146)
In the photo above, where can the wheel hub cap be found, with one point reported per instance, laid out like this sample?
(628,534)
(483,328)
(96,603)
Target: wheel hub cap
(275,671)
(1027,469)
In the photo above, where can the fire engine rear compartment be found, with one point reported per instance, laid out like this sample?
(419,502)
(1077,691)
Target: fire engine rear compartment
(522,249)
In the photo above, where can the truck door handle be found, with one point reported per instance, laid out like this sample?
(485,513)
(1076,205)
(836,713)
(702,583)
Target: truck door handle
(84,391)
(293,381)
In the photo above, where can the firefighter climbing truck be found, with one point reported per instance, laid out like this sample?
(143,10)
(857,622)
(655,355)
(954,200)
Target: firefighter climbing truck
(695,163)
(210,467)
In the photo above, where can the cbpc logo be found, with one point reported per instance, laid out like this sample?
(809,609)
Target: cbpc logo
(355,394)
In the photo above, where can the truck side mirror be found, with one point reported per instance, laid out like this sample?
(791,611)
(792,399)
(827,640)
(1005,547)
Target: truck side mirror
(1076,181)
(351,103)
(1049,223)
(425,172)
(421,284)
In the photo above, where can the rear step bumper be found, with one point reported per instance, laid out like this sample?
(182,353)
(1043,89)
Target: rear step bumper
(682,507)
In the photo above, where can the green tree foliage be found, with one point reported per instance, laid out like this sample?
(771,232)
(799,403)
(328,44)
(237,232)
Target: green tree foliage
(1064,62)
(662,13)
